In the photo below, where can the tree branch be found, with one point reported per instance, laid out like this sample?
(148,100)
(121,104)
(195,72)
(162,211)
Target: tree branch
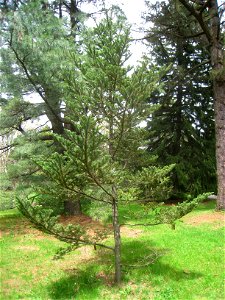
(204,6)
(198,17)
(51,231)
(7,147)
(31,79)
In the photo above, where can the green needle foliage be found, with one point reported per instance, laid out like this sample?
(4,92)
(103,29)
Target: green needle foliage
(182,130)
(104,159)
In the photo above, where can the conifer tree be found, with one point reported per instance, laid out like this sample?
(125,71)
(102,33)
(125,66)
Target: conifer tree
(209,19)
(181,131)
(34,34)
(104,160)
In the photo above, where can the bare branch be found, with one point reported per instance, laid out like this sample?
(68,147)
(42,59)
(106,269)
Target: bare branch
(7,147)
(150,259)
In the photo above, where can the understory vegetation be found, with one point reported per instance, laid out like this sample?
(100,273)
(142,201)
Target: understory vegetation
(159,263)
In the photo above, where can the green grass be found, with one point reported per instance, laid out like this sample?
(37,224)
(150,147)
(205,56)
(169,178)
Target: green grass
(191,265)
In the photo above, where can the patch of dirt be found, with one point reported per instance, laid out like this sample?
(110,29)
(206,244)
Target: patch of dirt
(107,279)
(82,220)
(20,227)
(13,283)
(26,231)
(83,255)
(131,232)
(79,219)
(215,218)
(27,248)
(24,227)
(91,226)
(86,254)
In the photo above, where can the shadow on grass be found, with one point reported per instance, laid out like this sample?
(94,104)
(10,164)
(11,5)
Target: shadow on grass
(206,205)
(79,282)
(144,258)
(137,257)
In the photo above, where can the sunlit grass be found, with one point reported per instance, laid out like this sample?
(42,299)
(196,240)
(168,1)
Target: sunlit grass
(191,265)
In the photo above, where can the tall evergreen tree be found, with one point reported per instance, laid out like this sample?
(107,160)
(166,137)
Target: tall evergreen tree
(181,131)
(208,15)
(99,161)
(35,35)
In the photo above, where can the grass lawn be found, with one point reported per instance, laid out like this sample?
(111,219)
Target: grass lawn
(189,265)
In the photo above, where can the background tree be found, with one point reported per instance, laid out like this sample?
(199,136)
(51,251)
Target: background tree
(97,163)
(35,35)
(181,131)
(208,16)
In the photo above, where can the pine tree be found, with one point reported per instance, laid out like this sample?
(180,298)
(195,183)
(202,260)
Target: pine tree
(181,131)
(98,161)
(208,16)
(35,35)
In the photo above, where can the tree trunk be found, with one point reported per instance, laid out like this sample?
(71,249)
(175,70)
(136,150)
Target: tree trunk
(217,61)
(72,208)
(115,214)
(219,97)
(53,110)
(179,97)
(117,240)
(73,17)
(212,27)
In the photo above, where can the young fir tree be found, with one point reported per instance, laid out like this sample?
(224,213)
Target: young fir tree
(181,131)
(105,160)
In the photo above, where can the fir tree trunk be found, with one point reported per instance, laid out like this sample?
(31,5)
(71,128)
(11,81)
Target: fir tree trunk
(117,239)
(53,110)
(73,16)
(217,61)
(219,94)
(72,208)
(179,96)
